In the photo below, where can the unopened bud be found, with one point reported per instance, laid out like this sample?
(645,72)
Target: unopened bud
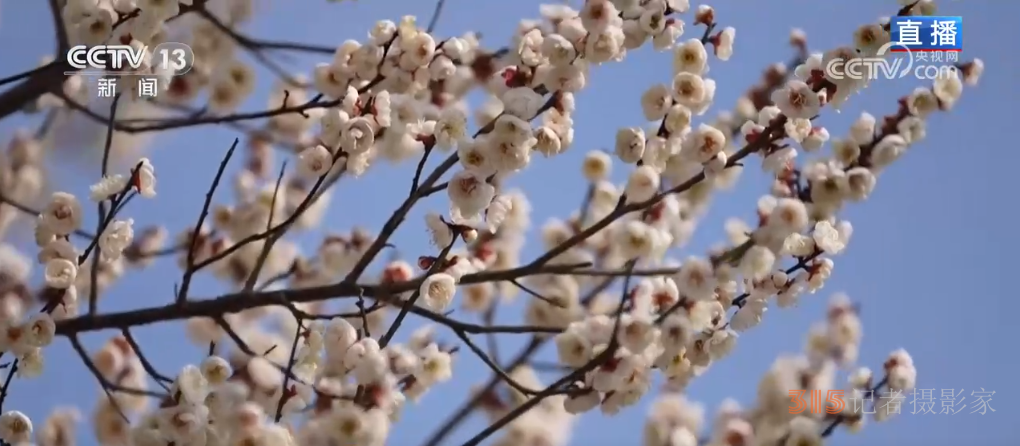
(704,16)
(798,39)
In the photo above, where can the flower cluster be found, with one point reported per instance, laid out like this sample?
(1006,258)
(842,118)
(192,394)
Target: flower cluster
(355,388)
(64,278)
(771,419)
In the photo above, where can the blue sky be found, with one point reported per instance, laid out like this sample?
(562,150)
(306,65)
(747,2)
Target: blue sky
(929,261)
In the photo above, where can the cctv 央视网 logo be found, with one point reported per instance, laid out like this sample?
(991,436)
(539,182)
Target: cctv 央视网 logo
(869,68)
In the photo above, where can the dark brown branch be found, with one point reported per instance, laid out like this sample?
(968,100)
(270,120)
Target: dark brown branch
(469,406)
(435,16)
(108,386)
(101,208)
(325,181)
(237,302)
(196,233)
(23,75)
(536,294)
(160,379)
(63,43)
(555,388)
(253,277)
(284,395)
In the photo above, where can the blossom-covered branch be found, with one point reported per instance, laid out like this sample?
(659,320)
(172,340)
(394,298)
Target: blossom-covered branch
(401,96)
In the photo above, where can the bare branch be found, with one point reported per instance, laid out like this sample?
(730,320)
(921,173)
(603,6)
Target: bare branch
(190,267)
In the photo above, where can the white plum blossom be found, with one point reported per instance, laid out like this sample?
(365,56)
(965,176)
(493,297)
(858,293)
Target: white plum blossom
(62,215)
(437,291)
(439,230)
(144,178)
(60,273)
(522,102)
(117,237)
(15,427)
(797,100)
(630,144)
(315,162)
(470,193)
(827,238)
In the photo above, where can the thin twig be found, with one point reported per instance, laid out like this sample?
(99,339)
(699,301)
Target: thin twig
(101,208)
(160,379)
(284,396)
(190,268)
(267,246)
(435,16)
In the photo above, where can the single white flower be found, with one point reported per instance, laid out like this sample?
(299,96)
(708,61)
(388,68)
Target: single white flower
(704,143)
(31,363)
(522,102)
(435,365)
(216,370)
(15,427)
(439,231)
(656,102)
(184,423)
(797,100)
(922,102)
(339,335)
(972,71)
(804,431)
(192,384)
(63,214)
(690,57)
(358,136)
(116,238)
(757,262)
(499,209)
(827,238)
(573,348)
(724,43)
(547,141)
(558,50)
(470,193)
(450,127)
(630,144)
(862,131)
(642,184)
(669,35)
(689,89)
(57,249)
(144,178)
(860,183)
(40,329)
(596,166)
(60,273)
(314,162)
(437,291)
(815,140)
(948,90)
(107,187)
(580,403)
